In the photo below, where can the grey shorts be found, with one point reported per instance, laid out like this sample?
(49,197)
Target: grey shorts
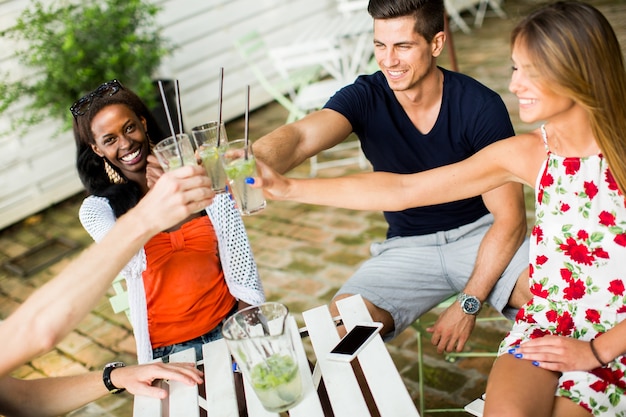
(408,276)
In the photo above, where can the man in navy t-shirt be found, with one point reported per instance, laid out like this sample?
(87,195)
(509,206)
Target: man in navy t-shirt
(412,116)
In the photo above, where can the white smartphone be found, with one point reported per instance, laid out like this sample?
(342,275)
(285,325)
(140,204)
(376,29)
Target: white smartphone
(353,342)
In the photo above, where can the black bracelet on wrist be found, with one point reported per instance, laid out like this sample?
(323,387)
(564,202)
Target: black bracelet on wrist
(595,353)
(106,377)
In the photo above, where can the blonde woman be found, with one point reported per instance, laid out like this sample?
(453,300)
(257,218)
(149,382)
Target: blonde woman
(565,353)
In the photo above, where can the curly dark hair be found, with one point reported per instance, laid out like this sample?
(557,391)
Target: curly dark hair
(90,166)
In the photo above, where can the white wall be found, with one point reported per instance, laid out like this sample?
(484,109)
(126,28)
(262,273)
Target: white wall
(37,169)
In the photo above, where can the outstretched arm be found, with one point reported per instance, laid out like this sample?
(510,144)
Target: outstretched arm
(57,307)
(55,396)
(474,176)
(290,145)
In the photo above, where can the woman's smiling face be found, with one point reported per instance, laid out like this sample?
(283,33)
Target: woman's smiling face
(120,136)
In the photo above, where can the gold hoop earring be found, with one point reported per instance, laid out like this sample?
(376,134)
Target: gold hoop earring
(114,176)
(150,144)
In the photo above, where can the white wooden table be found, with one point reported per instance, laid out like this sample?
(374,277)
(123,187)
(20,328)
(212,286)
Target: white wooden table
(345,394)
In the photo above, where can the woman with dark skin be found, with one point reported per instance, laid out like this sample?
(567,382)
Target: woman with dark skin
(184,282)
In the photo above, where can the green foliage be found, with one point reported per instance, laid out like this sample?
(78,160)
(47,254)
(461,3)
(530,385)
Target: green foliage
(72,48)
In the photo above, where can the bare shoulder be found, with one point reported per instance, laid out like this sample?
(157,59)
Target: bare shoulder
(527,154)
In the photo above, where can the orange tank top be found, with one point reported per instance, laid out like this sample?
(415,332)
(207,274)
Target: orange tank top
(186,293)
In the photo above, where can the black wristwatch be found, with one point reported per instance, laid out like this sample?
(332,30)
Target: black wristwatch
(469,303)
(106,377)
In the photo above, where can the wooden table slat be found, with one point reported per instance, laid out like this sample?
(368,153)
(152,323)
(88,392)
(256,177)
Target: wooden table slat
(389,392)
(343,388)
(219,383)
(183,398)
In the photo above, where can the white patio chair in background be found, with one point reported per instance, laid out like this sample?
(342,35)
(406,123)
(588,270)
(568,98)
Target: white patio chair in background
(349,6)
(306,83)
(420,329)
(478,8)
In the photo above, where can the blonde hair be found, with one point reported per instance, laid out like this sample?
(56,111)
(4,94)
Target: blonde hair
(574,48)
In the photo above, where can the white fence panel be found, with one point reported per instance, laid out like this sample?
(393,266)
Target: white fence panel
(203,32)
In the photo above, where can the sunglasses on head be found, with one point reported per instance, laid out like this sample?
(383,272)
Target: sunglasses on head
(82,105)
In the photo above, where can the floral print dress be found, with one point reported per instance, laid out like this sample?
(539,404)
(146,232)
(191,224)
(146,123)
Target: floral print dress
(578,272)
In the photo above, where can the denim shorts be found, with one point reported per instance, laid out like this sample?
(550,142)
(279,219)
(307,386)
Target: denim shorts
(408,276)
(216,333)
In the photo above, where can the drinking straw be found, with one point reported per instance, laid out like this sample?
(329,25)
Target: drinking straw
(219,106)
(169,121)
(179,109)
(246,124)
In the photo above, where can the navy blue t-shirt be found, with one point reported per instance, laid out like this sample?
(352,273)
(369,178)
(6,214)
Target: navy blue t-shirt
(471,117)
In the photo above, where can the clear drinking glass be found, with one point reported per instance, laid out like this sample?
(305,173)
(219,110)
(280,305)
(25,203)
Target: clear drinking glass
(261,343)
(167,152)
(239,163)
(205,138)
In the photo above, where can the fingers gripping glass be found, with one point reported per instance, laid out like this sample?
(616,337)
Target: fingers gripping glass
(81,106)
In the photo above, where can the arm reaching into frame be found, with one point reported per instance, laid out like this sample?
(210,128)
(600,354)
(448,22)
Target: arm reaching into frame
(56,308)
(50,397)
(483,172)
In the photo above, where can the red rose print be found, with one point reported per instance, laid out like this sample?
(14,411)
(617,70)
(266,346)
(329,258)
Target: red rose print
(622,309)
(565,324)
(585,406)
(567,385)
(620,239)
(531,270)
(599,386)
(578,253)
(537,333)
(538,232)
(607,219)
(541,259)
(572,165)
(564,207)
(551,315)
(610,376)
(616,287)
(600,253)
(575,291)
(590,189)
(611,180)
(566,274)
(582,235)
(592,315)
(538,290)
(540,196)
(547,180)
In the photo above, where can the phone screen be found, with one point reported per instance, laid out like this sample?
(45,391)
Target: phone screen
(354,339)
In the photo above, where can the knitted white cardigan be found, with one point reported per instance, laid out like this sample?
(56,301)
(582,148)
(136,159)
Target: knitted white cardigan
(240,272)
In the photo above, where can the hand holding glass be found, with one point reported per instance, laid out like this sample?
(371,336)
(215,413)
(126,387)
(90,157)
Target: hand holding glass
(167,152)
(205,138)
(239,163)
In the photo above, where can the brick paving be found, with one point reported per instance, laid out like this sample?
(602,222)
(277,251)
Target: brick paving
(304,253)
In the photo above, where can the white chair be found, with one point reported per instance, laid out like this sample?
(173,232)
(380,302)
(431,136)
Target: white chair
(349,6)
(419,326)
(478,8)
(119,301)
(307,81)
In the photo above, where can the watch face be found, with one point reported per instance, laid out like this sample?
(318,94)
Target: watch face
(471,305)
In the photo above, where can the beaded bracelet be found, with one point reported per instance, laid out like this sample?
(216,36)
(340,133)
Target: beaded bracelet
(595,353)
